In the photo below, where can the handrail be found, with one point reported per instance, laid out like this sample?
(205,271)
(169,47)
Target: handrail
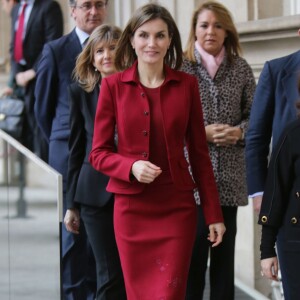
(34,158)
(253,293)
(26,153)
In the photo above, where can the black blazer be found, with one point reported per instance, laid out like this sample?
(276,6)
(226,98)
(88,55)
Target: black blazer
(45,24)
(281,199)
(85,184)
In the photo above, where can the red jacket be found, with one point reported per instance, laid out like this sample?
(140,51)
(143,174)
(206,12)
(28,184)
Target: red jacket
(123,103)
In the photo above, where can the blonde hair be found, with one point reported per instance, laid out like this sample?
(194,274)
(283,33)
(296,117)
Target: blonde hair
(231,43)
(84,72)
(125,54)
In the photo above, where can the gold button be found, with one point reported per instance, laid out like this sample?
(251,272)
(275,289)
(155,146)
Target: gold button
(264,219)
(294,220)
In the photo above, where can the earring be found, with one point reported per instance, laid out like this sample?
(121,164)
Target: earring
(96,70)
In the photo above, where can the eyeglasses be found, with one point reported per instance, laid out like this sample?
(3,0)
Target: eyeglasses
(88,6)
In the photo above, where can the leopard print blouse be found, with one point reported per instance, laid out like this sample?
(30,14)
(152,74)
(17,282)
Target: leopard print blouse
(226,99)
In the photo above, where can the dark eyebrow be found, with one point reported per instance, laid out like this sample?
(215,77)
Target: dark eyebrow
(142,31)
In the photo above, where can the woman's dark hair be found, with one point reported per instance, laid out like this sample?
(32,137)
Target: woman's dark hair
(125,54)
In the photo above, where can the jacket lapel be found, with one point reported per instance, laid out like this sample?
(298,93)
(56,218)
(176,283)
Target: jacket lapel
(73,46)
(32,17)
(91,100)
(290,80)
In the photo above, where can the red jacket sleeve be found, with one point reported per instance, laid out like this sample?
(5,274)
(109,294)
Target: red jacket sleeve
(200,161)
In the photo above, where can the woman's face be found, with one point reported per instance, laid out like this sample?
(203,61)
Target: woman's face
(209,32)
(104,58)
(151,42)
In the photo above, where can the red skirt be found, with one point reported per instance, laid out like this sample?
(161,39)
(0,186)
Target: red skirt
(155,232)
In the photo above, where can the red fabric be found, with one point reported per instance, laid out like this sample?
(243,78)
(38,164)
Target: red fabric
(155,230)
(123,102)
(18,48)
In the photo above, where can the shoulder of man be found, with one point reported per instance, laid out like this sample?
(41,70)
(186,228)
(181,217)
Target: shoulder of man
(284,59)
(62,41)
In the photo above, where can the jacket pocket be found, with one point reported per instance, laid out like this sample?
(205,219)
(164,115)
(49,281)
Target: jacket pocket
(183,175)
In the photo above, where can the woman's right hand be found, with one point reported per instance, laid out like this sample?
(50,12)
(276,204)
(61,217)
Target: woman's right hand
(216,232)
(144,171)
(72,220)
(211,130)
(7,91)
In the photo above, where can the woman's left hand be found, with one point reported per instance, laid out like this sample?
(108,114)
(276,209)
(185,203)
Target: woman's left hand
(72,220)
(269,268)
(227,135)
(144,171)
(216,232)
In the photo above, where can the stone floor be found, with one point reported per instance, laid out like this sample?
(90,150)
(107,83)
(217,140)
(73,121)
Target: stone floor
(29,255)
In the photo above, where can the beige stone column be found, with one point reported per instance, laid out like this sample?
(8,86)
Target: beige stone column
(5,33)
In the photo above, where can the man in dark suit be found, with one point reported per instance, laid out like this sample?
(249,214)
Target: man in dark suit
(52,113)
(43,22)
(272,109)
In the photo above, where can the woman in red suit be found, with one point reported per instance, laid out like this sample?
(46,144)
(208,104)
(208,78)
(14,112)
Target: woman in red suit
(155,110)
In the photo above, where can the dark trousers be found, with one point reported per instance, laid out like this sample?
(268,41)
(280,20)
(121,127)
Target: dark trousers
(78,266)
(98,222)
(78,262)
(221,260)
(289,261)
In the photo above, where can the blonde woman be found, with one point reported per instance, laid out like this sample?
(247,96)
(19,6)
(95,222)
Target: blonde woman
(87,198)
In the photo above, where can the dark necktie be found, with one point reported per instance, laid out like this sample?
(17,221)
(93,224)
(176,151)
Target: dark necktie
(18,48)
(85,42)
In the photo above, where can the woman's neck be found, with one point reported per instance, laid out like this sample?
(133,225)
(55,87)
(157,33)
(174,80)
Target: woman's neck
(151,76)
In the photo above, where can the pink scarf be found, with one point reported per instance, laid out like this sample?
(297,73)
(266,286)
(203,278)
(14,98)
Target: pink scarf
(211,63)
